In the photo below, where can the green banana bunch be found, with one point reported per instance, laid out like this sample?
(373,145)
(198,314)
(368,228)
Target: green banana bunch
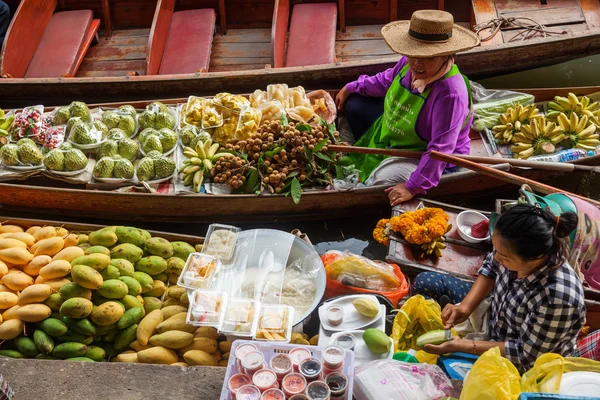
(436,246)
(512,121)
(580,133)
(199,163)
(5,123)
(539,137)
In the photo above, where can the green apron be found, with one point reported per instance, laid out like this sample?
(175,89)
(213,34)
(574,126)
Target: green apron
(396,127)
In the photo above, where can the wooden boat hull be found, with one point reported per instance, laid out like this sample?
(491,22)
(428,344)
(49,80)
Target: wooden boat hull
(477,63)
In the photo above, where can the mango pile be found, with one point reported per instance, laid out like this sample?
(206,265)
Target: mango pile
(96,297)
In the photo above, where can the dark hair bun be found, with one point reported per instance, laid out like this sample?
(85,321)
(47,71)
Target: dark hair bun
(567,224)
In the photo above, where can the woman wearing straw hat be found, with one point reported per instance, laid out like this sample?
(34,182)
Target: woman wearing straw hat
(423,103)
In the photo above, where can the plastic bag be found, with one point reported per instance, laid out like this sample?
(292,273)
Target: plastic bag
(297,97)
(391,379)
(416,317)
(271,111)
(231,102)
(349,274)
(489,104)
(301,114)
(323,104)
(28,124)
(492,377)
(545,375)
(248,123)
(258,98)
(54,136)
(300,285)
(278,92)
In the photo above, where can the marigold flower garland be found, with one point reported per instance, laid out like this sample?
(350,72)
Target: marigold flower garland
(425,227)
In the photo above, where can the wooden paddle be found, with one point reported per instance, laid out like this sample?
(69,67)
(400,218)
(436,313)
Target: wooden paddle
(505,176)
(552,166)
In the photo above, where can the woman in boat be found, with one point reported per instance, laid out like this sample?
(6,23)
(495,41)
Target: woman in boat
(537,300)
(423,103)
(4,20)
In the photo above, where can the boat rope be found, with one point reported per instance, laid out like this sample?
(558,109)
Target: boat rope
(530,28)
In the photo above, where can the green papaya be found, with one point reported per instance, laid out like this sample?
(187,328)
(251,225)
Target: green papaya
(182,250)
(11,354)
(158,246)
(104,237)
(96,353)
(133,286)
(70,290)
(124,266)
(96,261)
(128,251)
(97,249)
(128,234)
(54,301)
(131,316)
(151,265)
(69,350)
(43,341)
(86,277)
(113,289)
(82,326)
(175,265)
(110,272)
(53,327)
(125,337)
(76,307)
(145,280)
(26,346)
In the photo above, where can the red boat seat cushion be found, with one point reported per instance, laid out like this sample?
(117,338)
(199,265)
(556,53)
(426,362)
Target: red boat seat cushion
(312,35)
(189,42)
(57,53)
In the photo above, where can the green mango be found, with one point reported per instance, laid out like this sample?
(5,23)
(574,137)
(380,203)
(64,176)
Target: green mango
(97,249)
(124,266)
(109,349)
(128,234)
(163,276)
(53,327)
(82,326)
(151,265)
(145,234)
(42,356)
(159,247)
(113,289)
(77,307)
(133,286)
(125,337)
(96,353)
(80,359)
(43,342)
(12,354)
(54,301)
(70,290)
(111,336)
(69,350)
(130,302)
(72,337)
(84,246)
(131,316)
(103,330)
(151,304)
(97,261)
(145,280)
(110,272)
(26,346)
(104,237)
(86,277)
(175,265)
(182,250)
(128,251)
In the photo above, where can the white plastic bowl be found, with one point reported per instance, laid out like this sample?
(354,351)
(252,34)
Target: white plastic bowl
(465,220)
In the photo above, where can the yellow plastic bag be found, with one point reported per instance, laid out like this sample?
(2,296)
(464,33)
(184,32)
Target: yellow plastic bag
(492,377)
(416,317)
(546,374)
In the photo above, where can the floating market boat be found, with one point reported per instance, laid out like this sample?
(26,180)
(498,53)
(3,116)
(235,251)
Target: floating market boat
(57,198)
(54,51)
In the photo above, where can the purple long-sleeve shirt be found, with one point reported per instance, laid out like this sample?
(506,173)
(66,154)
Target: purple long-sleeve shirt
(440,122)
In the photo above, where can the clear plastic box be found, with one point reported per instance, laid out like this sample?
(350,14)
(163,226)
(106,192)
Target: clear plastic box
(241,317)
(221,241)
(270,349)
(199,271)
(275,323)
(207,308)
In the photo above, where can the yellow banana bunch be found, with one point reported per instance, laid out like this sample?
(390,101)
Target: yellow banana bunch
(571,104)
(580,132)
(436,246)
(512,121)
(539,137)
(199,162)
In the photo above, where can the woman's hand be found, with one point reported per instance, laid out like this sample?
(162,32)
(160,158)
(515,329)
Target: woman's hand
(453,315)
(398,194)
(341,97)
(451,346)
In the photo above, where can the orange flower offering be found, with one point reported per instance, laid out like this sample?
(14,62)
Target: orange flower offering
(381,232)
(421,226)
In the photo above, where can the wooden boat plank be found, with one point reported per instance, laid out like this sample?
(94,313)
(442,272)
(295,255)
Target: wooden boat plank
(128,40)
(130,32)
(259,63)
(110,65)
(360,32)
(549,16)
(532,5)
(241,51)
(591,10)
(358,48)
(483,11)
(361,12)
(507,35)
(116,52)
(257,35)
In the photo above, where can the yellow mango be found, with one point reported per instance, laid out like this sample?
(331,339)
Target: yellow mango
(56,269)
(33,312)
(157,355)
(8,243)
(208,345)
(225,346)
(35,265)
(69,253)
(207,331)
(33,229)
(138,347)
(172,339)
(24,237)
(180,364)
(56,284)
(10,228)
(44,233)
(8,300)
(17,281)
(11,313)
(11,329)
(176,323)
(34,294)
(148,325)
(49,247)
(71,240)
(199,357)
(16,256)
(126,358)
(62,232)
(3,269)
(175,292)
(170,311)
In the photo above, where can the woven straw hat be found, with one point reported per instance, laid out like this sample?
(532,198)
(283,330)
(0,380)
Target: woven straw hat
(429,33)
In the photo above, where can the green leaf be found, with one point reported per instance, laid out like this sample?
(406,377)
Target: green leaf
(322,121)
(323,156)
(251,181)
(339,172)
(296,190)
(292,174)
(274,151)
(320,145)
(284,120)
(304,127)
(331,128)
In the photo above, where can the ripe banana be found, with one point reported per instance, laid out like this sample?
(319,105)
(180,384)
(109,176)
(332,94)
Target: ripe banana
(512,122)
(199,162)
(580,132)
(538,137)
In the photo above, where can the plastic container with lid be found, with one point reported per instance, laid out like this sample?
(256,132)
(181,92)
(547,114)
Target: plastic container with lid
(318,390)
(241,317)
(273,394)
(298,355)
(338,384)
(241,351)
(220,242)
(311,369)
(206,308)
(335,315)
(265,379)
(253,362)
(346,341)
(237,381)
(299,397)
(199,271)
(293,383)
(281,364)
(275,323)
(333,359)
(248,392)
